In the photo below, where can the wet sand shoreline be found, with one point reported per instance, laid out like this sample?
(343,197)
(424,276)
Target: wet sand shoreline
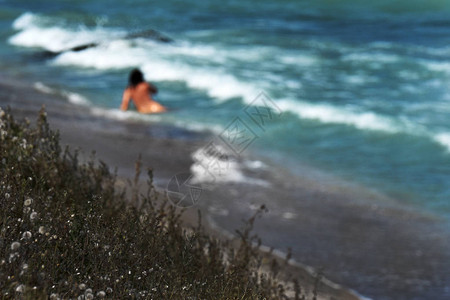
(325,226)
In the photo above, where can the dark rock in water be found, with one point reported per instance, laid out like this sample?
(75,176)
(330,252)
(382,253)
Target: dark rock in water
(82,47)
(50,54)
(47,54)
(149,34)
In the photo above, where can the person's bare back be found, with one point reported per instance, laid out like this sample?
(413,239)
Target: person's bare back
(140,92)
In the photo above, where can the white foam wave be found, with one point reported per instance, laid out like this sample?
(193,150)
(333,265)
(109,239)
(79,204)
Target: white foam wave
(203,52)
(437,66)
(54,38)
(70,96)
(25,20)
(156,61)
(199,127)
(357,79)
(214,164)
(255,164)
(43,88)
(443,139)
(159,62)
(331,114)
(215,81)
(328,114)
(384,58)
(304,60)
(114,55)
(117,114)
(75,98)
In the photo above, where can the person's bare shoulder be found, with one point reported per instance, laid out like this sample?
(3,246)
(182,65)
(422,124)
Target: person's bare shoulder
(147,87)
(142,86)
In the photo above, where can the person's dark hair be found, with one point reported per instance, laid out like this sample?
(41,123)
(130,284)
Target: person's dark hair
(135,78)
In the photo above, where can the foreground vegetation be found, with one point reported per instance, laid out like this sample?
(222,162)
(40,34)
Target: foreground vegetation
(67,232)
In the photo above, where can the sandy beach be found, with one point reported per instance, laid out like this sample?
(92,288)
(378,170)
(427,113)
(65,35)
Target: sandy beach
(343,228)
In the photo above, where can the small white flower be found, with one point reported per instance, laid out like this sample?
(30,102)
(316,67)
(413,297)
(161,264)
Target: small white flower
(109,290)
(82,286)
(7,195)
(33,215)
(15,246)
(41,229)
(101,294)
(24,266)
(13,256)
(20,288)
(28,202)
(27,235)
(89,296)
(53,296)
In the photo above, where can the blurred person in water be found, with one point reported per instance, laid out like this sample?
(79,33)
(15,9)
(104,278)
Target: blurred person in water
(141,92)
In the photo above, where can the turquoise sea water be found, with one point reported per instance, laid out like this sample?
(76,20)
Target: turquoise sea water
(364,89)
